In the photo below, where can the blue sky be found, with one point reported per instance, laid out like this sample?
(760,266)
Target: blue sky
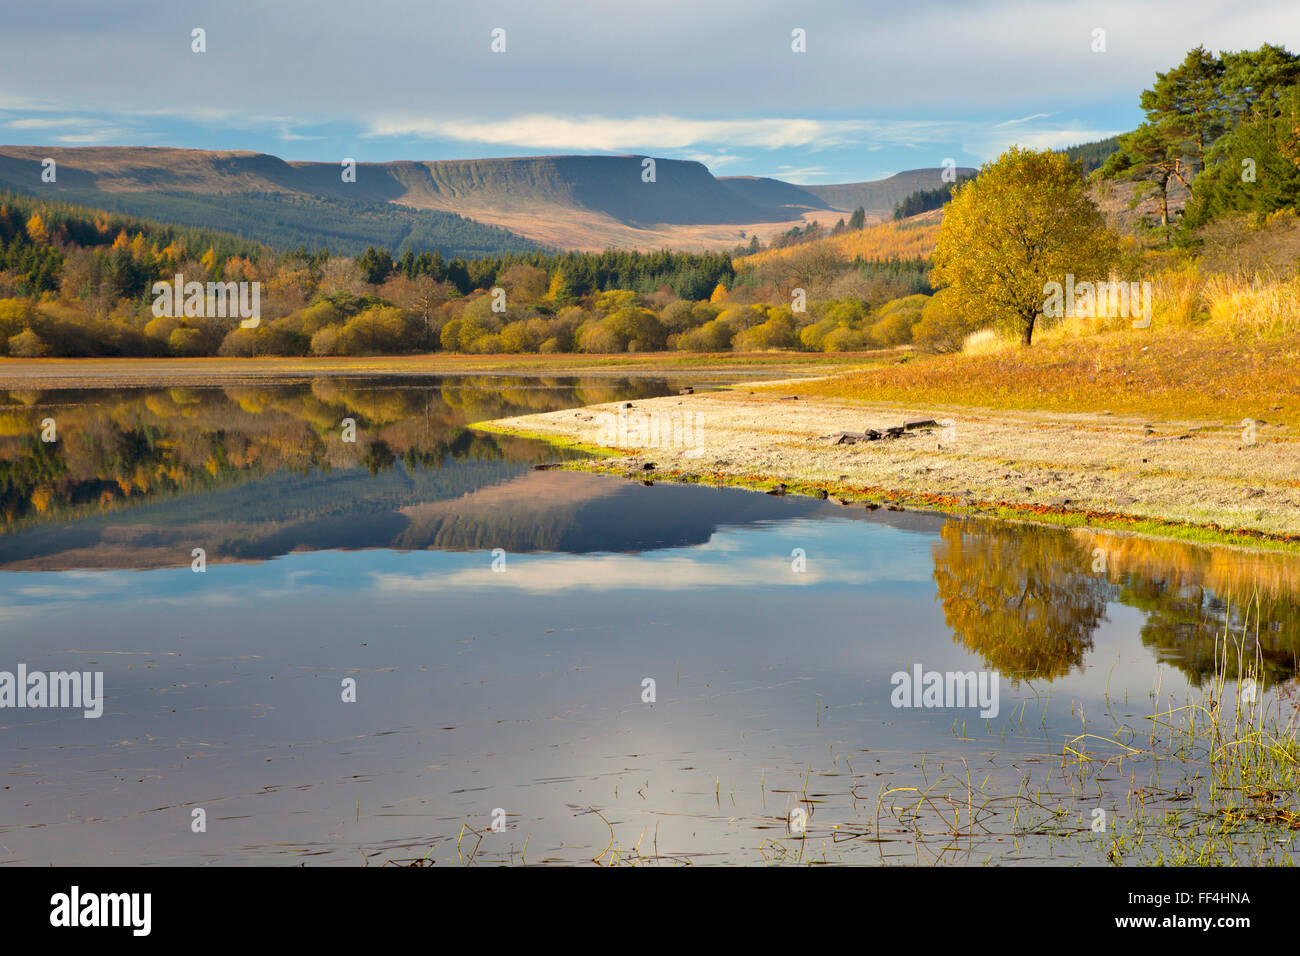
(882,87)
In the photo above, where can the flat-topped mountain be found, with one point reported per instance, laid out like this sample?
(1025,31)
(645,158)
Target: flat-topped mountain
(461,207)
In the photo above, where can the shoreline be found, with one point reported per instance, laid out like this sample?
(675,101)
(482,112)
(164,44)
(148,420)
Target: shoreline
(1193,481)
(217,372)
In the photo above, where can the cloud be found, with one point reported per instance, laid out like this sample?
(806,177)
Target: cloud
(715,160)
(653,133)
(618,572)
(1023,119)
(995,141)
(801,175)
(52,122)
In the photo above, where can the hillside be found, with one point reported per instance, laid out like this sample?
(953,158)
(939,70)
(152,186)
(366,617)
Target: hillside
(1124,205)
(458,207)
(876,198)
(255,196)
(910,238)
(883,195)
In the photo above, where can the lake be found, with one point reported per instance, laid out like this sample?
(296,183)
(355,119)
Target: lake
(417,646)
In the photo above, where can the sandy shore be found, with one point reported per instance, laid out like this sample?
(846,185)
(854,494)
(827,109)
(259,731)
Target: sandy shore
(1177,478)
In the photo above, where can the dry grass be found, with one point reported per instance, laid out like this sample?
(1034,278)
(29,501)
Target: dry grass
(1256,306)
(1193,374)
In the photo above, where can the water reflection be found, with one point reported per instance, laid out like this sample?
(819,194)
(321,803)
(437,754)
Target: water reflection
(1022,598)
(252,473)
(477,689)
(1194,595)
(1028,600)
(122,447)
(139,477)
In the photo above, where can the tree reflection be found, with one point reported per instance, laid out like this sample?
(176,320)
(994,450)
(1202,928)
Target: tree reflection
(1023,598)
(120,447)
(1197,598)
(1027,600)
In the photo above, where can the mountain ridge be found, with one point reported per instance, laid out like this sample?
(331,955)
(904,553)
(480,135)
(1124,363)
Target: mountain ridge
(459,206)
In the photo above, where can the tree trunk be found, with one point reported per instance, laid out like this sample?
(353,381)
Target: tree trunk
(1027,333)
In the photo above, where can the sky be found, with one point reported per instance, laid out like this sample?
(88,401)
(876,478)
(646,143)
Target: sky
(878,88)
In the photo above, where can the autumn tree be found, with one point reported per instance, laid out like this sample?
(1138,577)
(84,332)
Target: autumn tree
(560,290)
(1027,220)
(524,284)
(36,229)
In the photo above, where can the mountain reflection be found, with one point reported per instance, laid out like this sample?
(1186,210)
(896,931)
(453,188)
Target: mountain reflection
(139,477)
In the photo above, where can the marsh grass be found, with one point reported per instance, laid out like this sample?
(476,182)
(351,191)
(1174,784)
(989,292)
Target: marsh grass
(1241,774)
(1212,782)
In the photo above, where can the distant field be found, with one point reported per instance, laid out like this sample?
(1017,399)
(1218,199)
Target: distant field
(917,235)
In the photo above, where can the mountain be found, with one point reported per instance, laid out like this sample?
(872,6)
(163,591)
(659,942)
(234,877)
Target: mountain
(774,192)
(459,207)
(883,195)
(252,195)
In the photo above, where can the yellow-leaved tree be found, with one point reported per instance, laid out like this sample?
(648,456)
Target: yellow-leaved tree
(209,261)
(1026,221)
(36,229)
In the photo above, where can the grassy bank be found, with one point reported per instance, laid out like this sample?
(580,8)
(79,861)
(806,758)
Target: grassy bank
(1192,375)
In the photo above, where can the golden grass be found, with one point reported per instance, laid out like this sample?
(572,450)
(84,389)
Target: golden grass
(1258,305)
(1185,374)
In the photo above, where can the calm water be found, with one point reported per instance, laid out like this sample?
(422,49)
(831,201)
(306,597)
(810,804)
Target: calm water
(512,682)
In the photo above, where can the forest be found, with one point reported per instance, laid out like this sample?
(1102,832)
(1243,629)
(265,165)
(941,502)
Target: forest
(76,281)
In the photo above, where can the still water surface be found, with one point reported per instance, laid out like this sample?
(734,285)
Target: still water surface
(771,628)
